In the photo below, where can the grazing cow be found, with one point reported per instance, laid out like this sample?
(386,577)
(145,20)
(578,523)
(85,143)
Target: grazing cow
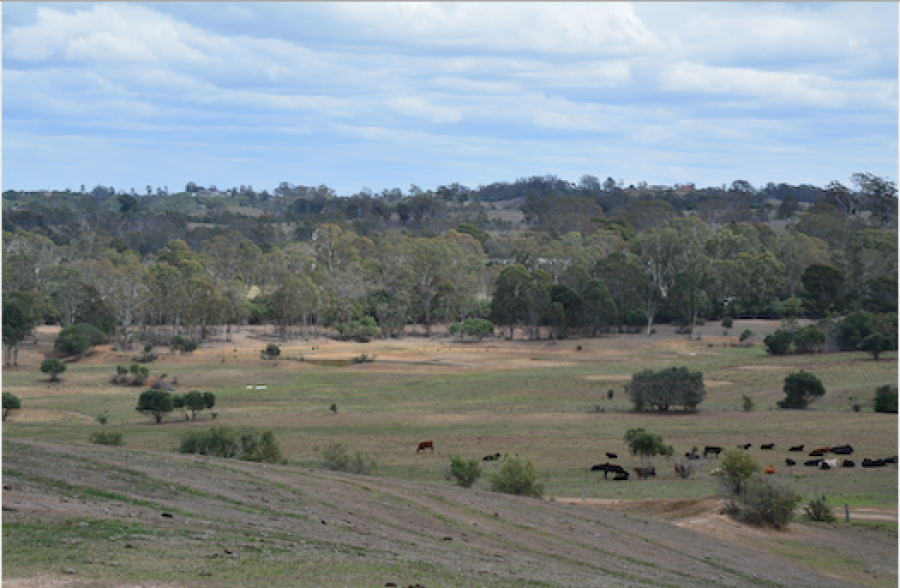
(714,450)
(790,462)
(767,446)
(608,468)
(892,460)
(816,453)
(494,457)
(744,447)
(813,463)
(824,465)
(644,473)
(691,456)
(849,463)
(620,476)
(425,445)
(873,463)
(611,455)
(824,450)
(769,470)
(842,450)
(796,448)
(827,464)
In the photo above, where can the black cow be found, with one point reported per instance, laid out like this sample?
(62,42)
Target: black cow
(842,450)
(606,468)
(790,462)
(813,462)
(714,450)
(691,456)
(824,465)
(621,476)
(892,460)
(767,446)
(873,463)
(494,457)
(848,463)
(796,448)
(817,453)
(744,447)
(611,455)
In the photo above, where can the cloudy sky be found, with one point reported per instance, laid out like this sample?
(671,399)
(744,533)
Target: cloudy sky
(386,95)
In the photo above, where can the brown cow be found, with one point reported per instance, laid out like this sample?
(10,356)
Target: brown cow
(769,470)
(644,473)
(425,445)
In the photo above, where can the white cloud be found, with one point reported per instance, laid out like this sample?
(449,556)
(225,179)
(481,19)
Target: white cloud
(419,108)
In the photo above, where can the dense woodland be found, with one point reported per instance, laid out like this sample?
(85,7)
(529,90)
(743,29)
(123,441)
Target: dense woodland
(554,259)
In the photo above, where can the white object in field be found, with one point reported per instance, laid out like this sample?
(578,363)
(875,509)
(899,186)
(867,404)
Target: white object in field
(249,387)
(260,387)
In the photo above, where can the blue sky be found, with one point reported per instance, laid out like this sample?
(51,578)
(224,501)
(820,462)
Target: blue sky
(387,95)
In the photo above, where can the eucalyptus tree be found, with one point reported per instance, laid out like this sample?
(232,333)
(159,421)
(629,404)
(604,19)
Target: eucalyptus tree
(623,278)
(797,251)
(659,251)
(509,305)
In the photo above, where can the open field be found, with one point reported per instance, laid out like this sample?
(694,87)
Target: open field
(539,400)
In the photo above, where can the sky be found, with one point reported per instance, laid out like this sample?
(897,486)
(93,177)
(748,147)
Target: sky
(388,95)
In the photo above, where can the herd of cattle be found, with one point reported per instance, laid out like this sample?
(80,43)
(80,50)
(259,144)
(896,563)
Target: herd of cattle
(620,474)
(821,463)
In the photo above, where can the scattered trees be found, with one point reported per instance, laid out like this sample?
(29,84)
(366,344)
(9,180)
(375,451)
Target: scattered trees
(801,388)
(336,457)
(227,442)
(646,444)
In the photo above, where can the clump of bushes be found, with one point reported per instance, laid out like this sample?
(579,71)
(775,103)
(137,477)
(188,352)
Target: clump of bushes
(362,330)
(517,476)
(10,402)
(271,351)
(337,458)
(751,497)
(244,444)
(76,339)
(800,389)
(466,472)
(106,438)
(179,343)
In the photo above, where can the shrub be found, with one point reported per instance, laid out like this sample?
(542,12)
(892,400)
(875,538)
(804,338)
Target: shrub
(748,404)
(272,350)
(746,335)
(465,472)
(727,322)
(517,477)
(335,457)
(102,418)
(801,388)
(779,342)
(76,339)
(636,318)
(666,388)
(54,367)
(855,327)
(106,438)
(227,442)
(875,344)
(12,402)
(333,407)
(764,502)
(818,510)
(737,468)
(885,399)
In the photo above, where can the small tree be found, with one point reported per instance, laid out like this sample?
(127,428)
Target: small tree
(54,367)
(156,403)
(12,402)
(737,468)
(194,402)
(746,335)
(817,509)
(466,472)
(727,322)
(646,444)
(209,399)
(885,399)
(801,388)
(875,344)
(272,350)
(517,477)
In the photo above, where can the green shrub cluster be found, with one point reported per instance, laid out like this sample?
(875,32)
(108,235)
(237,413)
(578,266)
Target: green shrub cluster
(517,476)
(179,343)
(106,438)
(76,339)
(336,457)
(886,399)
(753,498)
(466,472)
(245,444)
(818,510)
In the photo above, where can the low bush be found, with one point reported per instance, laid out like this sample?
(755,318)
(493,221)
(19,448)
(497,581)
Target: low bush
(466,472)
(336,457)
(886,399)
(518,477)
(106,438)
(764,502)
(817,510)
(227,442)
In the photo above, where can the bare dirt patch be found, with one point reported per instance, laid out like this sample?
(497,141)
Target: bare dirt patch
(40,415)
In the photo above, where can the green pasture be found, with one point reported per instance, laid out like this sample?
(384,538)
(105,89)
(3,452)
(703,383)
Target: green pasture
(558,417)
